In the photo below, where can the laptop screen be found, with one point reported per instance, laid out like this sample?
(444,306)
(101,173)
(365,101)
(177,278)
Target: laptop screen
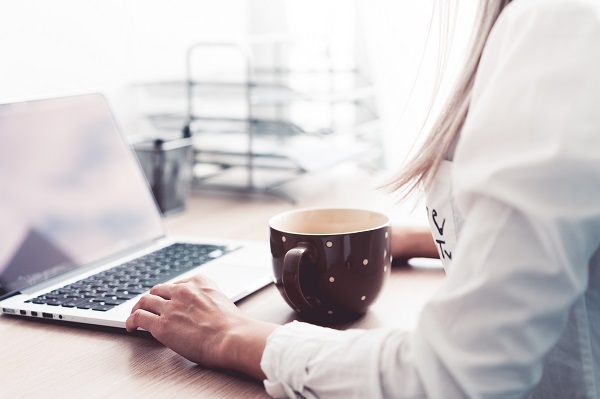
(71,191)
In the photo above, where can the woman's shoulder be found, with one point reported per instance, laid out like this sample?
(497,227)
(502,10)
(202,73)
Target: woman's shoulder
(589,10)
(531,25)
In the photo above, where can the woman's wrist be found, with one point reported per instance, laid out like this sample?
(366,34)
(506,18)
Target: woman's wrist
(243,345)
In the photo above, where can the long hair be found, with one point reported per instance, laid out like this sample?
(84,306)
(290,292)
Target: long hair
(418,174)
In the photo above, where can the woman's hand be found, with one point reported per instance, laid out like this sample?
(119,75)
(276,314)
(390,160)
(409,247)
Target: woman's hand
(412,242)
(196,320)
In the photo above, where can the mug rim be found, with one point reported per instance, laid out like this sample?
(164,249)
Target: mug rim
(292,211)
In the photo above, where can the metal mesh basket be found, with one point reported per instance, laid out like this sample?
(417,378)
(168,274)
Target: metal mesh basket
(168,168)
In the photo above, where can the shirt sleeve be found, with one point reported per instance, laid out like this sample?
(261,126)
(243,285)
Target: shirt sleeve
(527,181)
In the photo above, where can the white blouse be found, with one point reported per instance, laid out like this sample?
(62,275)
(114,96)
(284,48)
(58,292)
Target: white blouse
(519,312)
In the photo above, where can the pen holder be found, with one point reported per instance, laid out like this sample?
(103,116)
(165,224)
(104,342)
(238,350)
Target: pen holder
(168,169)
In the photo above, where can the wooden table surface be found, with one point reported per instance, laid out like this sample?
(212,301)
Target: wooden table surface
(41,359)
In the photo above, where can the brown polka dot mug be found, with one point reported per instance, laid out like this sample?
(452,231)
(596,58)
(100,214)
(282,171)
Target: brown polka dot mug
(330,264)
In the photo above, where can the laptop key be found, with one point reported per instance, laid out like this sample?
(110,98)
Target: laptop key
(114,302)
(102,308)
(125,296)
(69,304)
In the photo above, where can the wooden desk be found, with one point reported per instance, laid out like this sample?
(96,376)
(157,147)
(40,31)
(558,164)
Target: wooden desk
(44,360)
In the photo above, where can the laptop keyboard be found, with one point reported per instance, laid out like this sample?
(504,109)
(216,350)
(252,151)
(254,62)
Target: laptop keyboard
(112,287)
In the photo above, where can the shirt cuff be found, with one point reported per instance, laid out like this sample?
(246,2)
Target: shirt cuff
(288,350)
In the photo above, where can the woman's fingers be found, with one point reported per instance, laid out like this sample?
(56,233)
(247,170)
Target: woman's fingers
(162,290)
(147,311)
(150,303)
(141,318)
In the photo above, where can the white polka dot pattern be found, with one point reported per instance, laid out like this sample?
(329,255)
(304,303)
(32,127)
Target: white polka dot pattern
(367,261)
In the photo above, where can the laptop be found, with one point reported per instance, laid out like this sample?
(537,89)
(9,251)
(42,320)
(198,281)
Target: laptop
(81,236)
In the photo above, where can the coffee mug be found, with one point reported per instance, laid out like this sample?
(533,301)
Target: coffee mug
(330,264)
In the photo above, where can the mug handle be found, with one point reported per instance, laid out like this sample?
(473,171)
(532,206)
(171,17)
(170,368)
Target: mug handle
(291,277)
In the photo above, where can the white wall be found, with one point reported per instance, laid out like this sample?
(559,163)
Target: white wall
(62,46)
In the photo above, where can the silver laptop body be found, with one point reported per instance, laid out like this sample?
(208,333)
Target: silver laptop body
(74,202)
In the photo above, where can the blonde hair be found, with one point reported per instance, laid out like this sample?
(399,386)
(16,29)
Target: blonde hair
(418,174)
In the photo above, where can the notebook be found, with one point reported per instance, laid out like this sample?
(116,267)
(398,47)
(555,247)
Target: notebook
(81,236)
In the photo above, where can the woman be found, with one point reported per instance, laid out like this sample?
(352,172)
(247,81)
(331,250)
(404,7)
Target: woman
(513,167)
